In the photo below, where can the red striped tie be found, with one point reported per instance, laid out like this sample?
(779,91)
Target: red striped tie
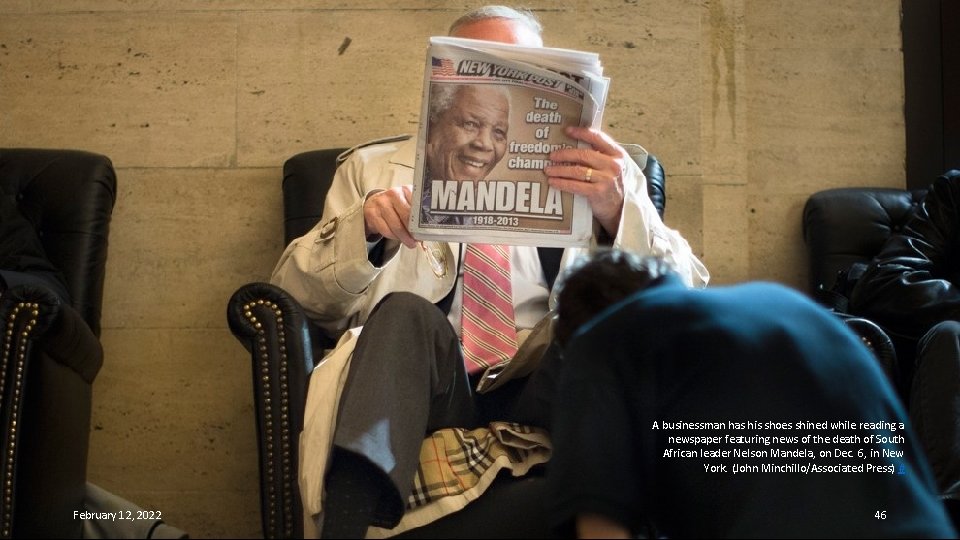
(488,331)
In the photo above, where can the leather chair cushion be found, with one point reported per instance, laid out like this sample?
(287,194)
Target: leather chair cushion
(844,226)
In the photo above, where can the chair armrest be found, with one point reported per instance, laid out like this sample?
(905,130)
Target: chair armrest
(34,316)
(879,343)
(273,328)
(49,358)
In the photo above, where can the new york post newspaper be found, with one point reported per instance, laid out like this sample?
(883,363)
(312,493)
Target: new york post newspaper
(491,115)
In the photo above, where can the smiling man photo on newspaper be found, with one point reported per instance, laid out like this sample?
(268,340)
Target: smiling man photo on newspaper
(467,135)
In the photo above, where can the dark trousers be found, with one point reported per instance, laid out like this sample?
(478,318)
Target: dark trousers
(935,403)
(407,379)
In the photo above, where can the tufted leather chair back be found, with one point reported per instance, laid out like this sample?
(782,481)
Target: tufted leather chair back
(69,196)
(51,353)
(844,226)
(307,177)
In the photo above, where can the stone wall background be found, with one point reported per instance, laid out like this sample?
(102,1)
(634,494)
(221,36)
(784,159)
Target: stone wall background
(751,105)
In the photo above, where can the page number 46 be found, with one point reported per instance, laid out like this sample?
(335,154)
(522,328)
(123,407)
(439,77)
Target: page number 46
(881,514)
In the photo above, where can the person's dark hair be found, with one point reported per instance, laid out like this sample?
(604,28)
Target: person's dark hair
(597,282)
(522,15)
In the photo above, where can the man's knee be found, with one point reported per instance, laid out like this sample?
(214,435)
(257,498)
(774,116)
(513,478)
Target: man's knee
(940,347)
(945,330)
(943,334)
(400,306)
(403,319)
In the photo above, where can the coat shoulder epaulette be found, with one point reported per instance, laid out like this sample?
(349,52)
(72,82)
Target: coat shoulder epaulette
(394,138)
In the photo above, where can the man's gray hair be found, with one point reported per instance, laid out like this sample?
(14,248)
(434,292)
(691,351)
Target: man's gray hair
(442,97)
(524,16)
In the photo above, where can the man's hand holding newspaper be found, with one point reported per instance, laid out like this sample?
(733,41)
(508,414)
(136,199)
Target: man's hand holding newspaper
(601,182)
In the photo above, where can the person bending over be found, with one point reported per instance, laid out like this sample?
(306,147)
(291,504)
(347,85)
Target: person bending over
(649,361)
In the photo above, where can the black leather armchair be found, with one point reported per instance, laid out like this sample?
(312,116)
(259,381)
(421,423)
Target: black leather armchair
(844,229)
(50,351)
(285,346)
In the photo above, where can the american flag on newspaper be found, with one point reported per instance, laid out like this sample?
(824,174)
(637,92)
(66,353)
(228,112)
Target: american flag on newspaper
(442,67)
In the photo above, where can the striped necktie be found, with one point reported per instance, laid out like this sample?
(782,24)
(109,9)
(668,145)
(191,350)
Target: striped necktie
(488,331)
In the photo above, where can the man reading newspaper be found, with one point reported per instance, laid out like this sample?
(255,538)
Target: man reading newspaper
(361,268)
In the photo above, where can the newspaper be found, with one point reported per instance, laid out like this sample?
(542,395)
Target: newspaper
(491,115)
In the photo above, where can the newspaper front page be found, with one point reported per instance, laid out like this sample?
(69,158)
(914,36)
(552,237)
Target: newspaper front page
(491,115)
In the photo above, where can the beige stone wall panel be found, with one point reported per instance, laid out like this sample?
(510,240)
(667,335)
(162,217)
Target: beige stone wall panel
(777,251)
(14,6)
(726,223)
(454,8)
(307,82)
(315,80)
(823,24)
(724,127)
(183,240)
(145,90)
(684,209)
(825,118)
(169,422)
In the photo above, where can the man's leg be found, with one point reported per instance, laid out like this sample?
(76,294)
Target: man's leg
(935,405)
(406,379)
(528,400)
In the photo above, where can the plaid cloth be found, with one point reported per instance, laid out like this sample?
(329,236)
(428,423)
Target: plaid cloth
(458,465)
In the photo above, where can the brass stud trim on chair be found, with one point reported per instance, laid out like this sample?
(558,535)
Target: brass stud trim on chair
(6,521)
(283,507)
